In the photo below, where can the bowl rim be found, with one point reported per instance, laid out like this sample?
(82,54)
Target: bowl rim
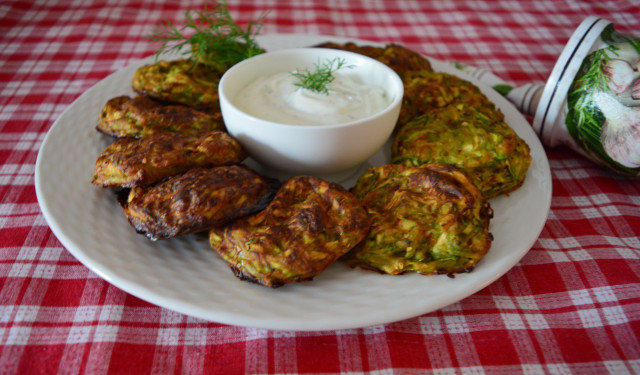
(397,100)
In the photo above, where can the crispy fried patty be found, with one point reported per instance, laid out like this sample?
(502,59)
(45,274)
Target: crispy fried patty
(488,151)
(141,116)
(426,92)
(428,219)
(197,200)
(309,224)
(130,162)
(179,82)
(401,59)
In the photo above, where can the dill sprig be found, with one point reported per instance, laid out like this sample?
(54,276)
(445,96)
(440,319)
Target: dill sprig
(216,40)
(319,79)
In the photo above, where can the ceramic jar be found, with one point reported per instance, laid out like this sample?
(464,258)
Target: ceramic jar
(591,101)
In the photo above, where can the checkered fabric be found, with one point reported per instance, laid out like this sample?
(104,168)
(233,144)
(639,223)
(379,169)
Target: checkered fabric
(572,305)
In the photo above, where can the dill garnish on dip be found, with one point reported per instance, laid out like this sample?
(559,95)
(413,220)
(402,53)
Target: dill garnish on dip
(329,93)
(319,79)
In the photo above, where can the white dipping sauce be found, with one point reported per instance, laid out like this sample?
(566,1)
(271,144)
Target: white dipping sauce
(278,99)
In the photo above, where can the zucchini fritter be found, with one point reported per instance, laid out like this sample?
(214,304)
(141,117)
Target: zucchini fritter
(141,116)
(130,162)
(401,59)
(425,92)
(370,51)
(197,200)
(179,82)
(428,219)
(309,224)
(489,152)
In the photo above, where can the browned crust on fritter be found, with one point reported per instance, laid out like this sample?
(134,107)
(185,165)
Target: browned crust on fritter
(427,219)
(426,92)
(492,155)
(370,51)
(130,162)
(399,58)
(141,116)
(309,224)
(198,200)
(404,60)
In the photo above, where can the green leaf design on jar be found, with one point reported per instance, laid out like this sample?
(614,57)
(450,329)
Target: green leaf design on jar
(603,103)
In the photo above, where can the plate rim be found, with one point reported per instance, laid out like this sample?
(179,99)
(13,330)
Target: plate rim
(145,293)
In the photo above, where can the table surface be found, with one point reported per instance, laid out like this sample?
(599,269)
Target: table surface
(571,305)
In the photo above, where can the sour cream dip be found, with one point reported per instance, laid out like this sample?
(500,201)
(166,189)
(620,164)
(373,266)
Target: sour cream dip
(276,98)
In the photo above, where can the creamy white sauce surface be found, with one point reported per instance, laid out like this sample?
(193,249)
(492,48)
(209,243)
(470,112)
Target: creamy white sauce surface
(278,99)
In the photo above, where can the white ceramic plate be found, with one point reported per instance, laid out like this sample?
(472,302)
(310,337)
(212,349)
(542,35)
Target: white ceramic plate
(185,275)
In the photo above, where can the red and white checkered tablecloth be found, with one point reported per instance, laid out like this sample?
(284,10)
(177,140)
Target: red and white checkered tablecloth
(571,305)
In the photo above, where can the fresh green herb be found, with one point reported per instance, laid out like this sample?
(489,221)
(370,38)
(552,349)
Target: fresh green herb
(503,89)
(459,65)
(216,40)
(319,79)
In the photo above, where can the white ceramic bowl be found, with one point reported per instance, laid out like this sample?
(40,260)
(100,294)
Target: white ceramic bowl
(309,149)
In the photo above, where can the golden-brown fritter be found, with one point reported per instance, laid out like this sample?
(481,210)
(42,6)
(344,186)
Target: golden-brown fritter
(428,219)
(488,151)
(141,116)
(370,51)
(178,81)
(425,92)
(197,200)
(130,162)
(401,59)
(309,224)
